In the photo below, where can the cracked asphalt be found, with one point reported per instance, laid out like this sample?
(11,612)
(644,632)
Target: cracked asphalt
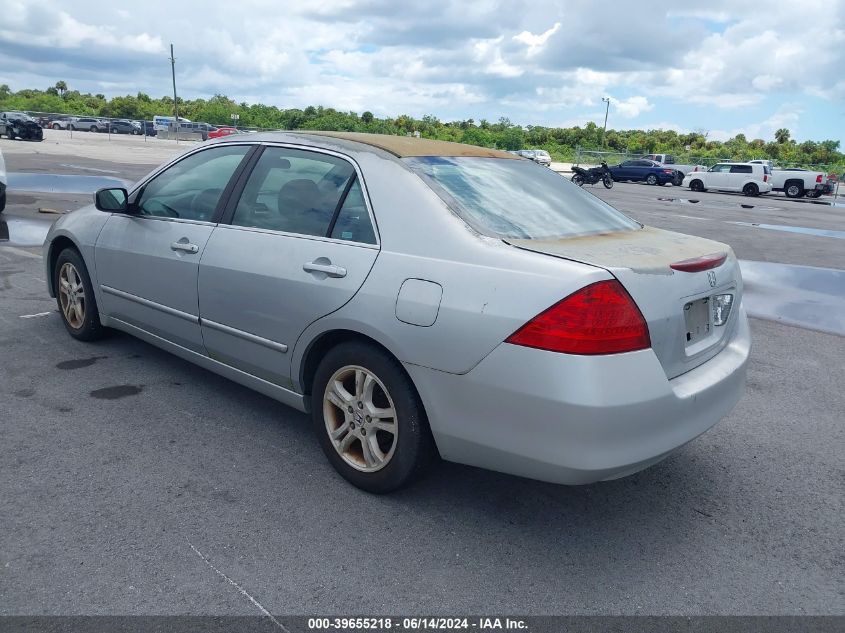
(136,483)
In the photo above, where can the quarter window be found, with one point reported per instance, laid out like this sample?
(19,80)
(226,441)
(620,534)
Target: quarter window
(297,191)
(353,222)
(191,189)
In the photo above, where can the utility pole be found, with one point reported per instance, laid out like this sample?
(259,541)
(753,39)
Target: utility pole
(175,102)
(606,111)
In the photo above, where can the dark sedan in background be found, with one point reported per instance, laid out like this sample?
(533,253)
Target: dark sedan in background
(647,171)
(124,127)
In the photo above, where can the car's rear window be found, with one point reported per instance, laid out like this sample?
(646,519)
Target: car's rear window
(517,199)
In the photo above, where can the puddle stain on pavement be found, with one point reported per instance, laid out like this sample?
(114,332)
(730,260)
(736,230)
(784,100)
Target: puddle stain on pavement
(802,230)
(116,392)
(804,296)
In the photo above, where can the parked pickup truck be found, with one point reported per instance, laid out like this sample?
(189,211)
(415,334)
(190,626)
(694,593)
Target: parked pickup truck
(796,183)
(667,160)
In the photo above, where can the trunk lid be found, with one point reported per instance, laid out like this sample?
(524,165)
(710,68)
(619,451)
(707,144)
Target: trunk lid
(678,306)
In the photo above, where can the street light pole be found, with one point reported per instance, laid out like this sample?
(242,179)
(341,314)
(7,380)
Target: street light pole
(175,102)
(606,111)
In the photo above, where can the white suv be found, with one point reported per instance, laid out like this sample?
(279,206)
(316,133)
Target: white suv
(752,179)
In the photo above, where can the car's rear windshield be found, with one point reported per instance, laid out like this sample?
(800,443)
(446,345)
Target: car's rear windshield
(517,199)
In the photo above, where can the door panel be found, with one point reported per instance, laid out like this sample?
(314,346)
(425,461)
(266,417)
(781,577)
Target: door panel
(147,270)
(254,284)
(273,271)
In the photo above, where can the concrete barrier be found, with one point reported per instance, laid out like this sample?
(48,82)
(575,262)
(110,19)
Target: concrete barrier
(183,136)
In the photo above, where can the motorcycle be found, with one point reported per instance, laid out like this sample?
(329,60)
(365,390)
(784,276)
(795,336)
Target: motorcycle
(593,175)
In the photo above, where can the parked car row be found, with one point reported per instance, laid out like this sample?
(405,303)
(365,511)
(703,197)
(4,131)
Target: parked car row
(539,156)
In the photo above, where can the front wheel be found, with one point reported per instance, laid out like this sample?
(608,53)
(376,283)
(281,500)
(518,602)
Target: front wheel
(751,190)
(56,126)
(369,418)
(696,185)
(607,181)
(578,179)
(75,296)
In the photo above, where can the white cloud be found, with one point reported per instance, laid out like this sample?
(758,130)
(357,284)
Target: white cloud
(632,107)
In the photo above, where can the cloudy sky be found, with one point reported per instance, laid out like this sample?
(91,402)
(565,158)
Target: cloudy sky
(723,68)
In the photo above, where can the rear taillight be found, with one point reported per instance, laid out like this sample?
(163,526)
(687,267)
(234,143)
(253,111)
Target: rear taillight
(668,171)
(601,318)
(765,178)
(819,178)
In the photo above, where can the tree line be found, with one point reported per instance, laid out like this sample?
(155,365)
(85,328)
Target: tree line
(561,143)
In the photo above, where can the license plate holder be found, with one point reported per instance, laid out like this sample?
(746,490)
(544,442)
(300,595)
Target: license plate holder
(697,321)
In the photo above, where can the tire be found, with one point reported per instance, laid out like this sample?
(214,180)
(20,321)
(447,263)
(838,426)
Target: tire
(607,181)
(662,184)
(578,179)
(651,179)
(70,268)
(93,128)
(751,190)
(405,453)
(814,194)
(678,180)
(696,185)
(56,126)
(794,189)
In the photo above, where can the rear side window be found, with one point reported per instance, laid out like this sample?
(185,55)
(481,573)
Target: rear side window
(741,169)
(298,191)
(516,199)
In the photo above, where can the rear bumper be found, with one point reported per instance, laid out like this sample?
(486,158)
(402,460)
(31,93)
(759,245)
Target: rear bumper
(577,419)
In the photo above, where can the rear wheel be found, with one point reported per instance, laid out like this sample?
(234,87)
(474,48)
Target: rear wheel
(75,297)
(651,179)
(696,185)
(93,128)
(794,189)
(607,181)
(369,418)
(56,126)
(678,180)
(751,190)
(578,179)
(814,194)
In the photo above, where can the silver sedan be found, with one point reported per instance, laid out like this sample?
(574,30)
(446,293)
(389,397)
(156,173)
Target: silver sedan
(418,299)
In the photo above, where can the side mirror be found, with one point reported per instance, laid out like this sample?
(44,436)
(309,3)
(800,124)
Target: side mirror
(113,200)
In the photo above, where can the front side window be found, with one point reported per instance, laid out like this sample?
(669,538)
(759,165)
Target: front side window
(513,199)
(298,191)
(720,168)
(191,189)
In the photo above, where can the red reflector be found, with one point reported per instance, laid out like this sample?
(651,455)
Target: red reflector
(601,318)
(819,178)
(697,264)
(765,178)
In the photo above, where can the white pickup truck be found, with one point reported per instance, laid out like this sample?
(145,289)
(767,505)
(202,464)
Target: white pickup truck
(796,183)
(668,160)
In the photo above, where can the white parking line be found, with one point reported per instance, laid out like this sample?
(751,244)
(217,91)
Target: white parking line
(238,587)
(35,316)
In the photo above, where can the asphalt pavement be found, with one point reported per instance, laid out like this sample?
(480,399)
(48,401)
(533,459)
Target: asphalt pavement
(137,483)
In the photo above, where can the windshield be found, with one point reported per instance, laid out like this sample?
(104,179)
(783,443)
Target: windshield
(516,199)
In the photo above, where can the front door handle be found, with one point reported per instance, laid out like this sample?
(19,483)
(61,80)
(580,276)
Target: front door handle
(184,246)
(329,269)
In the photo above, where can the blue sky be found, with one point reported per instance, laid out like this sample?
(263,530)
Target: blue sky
(726,68)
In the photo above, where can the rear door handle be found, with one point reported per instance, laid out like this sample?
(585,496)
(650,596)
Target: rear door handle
(329,269)
(184,246)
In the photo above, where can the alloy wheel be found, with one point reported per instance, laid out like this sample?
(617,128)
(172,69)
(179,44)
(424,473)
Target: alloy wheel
(360,418)
(72,296)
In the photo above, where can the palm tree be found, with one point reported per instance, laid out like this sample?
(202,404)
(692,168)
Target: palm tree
(782,135)
(61,86)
